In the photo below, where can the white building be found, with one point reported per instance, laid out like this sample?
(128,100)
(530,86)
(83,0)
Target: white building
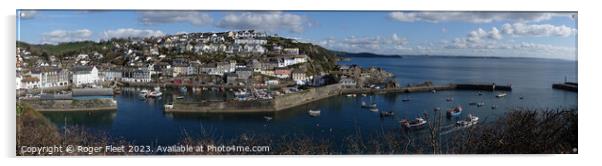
(300,78)
(292,60)
(83,75)
(29,82)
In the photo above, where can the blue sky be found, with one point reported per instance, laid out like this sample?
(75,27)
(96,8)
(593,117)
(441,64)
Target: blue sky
(506,34)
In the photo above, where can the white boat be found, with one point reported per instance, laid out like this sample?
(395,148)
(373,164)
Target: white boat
(143,92)
(168,106)
(374,109)
(471,120)
(155,94)
(267,118)
(501,95)
(314,112)
(180,97)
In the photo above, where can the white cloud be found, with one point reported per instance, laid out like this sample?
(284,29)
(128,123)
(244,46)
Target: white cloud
(59,36)
(181,32)
(521,29)
(481,39)
(374,44)
(472,17)
(27,14)
(160,17)
(130,32)
(266,21)
(479,34)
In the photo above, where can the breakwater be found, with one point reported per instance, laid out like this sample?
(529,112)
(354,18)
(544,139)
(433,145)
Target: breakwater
(568,86)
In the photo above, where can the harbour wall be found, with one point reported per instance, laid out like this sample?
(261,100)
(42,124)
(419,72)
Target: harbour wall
(279,103)
(72,105)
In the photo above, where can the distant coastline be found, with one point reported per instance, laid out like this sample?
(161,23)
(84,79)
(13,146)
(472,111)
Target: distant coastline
(344,54)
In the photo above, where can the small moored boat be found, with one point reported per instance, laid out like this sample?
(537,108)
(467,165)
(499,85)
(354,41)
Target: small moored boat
(501,95)
(314,113)
(374,109)
(412,124)
(387,113)
(470,120)
(455,111)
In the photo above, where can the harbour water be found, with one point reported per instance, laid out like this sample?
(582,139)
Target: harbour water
(144,122)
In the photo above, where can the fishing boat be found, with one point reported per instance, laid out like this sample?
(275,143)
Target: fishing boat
(267,118)
(455,111)
(387,113)
(501,95)
(314,113)
(493,107)
(413,124)
(469,121)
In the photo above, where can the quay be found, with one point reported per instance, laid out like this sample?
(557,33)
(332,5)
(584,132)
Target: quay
(291,100)
(83,99)
(568,86)
(106,104)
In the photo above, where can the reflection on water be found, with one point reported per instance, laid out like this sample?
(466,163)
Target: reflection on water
(95,119)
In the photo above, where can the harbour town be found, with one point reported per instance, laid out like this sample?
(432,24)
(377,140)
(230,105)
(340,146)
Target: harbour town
(261,71)
(256,88)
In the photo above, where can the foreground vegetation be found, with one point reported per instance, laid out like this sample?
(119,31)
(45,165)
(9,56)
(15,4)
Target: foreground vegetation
(522,131)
